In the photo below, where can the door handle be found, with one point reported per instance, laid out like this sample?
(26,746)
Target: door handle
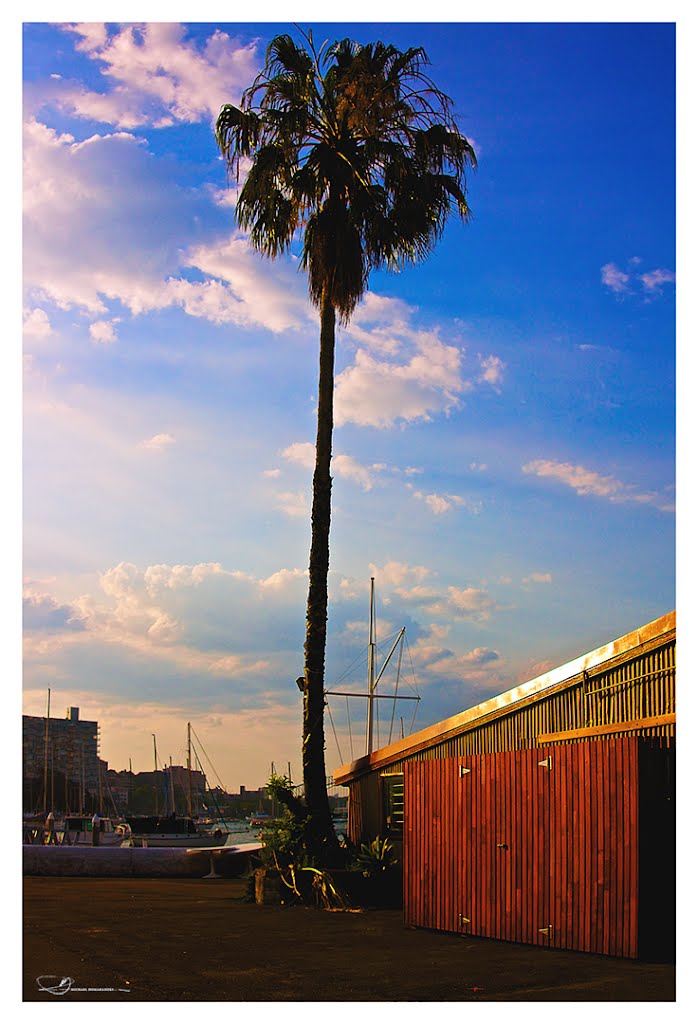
(502,846)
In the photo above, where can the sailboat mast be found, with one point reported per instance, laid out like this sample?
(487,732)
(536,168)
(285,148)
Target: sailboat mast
(155,760)
(48,714)
(371,667)
(189,798)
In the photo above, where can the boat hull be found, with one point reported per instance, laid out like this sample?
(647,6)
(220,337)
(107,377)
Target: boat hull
(188,842)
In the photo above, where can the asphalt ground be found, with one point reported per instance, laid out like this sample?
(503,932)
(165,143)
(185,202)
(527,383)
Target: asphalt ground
(167,940)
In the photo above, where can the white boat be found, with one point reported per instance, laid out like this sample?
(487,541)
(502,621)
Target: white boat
(173,831)
(261,818)
(78,830)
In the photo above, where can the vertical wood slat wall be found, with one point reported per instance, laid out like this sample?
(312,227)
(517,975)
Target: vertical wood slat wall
(630,688)
(642,686)
(510,849)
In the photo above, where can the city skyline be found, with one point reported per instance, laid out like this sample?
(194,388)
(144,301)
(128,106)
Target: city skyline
(504,445)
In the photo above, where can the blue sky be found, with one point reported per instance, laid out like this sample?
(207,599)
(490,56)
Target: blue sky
(504,451)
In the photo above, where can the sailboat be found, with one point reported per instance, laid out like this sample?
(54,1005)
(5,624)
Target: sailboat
(173,830)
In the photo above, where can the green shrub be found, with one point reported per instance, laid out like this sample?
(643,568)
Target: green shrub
(376,857)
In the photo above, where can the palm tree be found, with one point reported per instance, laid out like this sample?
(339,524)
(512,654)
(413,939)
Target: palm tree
(354,151)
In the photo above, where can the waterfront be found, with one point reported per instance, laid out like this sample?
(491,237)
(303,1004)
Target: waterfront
(166,940)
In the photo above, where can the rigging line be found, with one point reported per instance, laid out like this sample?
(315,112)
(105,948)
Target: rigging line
(414,675)
(380,646)
(208,758)
(416,706)
(351,739)
(351,667)
(329,715)
(416,703)
(397,682)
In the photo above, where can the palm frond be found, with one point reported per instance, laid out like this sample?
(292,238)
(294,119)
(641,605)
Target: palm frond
(355,148)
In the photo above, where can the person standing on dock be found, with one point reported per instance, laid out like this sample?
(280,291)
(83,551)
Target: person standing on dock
(96,825)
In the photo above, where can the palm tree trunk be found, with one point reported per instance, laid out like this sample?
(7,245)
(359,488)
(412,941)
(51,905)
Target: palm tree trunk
(314,773)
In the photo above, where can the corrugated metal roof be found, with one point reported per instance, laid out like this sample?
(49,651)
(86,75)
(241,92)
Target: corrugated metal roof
(506,702)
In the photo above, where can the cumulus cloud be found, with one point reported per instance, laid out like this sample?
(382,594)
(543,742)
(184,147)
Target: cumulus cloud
(470,603)
(36,325)
(425,380)
(413,587)
(614,278)
(168,614)
(588,482)
(291,503)
(403,373)
(492,368)
(158,442)
(77,253)
(538,577)
(396,574)
(41,612)
(95,235)
(654,280)
(156,76)
(302,453)
(243,288)
(651,282)
(439,504)
(474,670)
(103,332)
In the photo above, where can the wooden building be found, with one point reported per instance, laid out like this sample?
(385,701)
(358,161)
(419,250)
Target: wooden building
(546,814)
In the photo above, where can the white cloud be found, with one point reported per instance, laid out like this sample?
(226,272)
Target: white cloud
(396,574)
(379,393)
(285,579)
(620,282)
(302,453)
(37,325)
(492,370)
(654,280)
(103,332)
(160,578)
(614,278)
(163,614)
(158,442)
(158,77)
(292,503)
(538,577)
(470,603)
(251,293)
(403,373)
(588,482)
(94,236)
(439,503)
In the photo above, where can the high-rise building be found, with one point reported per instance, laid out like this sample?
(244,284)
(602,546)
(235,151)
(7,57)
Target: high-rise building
(63,773)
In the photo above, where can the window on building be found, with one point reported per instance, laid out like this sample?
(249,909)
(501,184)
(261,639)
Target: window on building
(393,803)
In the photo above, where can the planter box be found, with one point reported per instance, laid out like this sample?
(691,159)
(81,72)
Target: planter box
(268,887)
(383,891)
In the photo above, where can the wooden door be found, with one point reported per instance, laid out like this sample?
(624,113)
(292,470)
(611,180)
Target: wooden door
(537,846)
(595,848)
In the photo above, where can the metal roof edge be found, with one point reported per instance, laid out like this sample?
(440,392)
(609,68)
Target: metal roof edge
(395,751)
